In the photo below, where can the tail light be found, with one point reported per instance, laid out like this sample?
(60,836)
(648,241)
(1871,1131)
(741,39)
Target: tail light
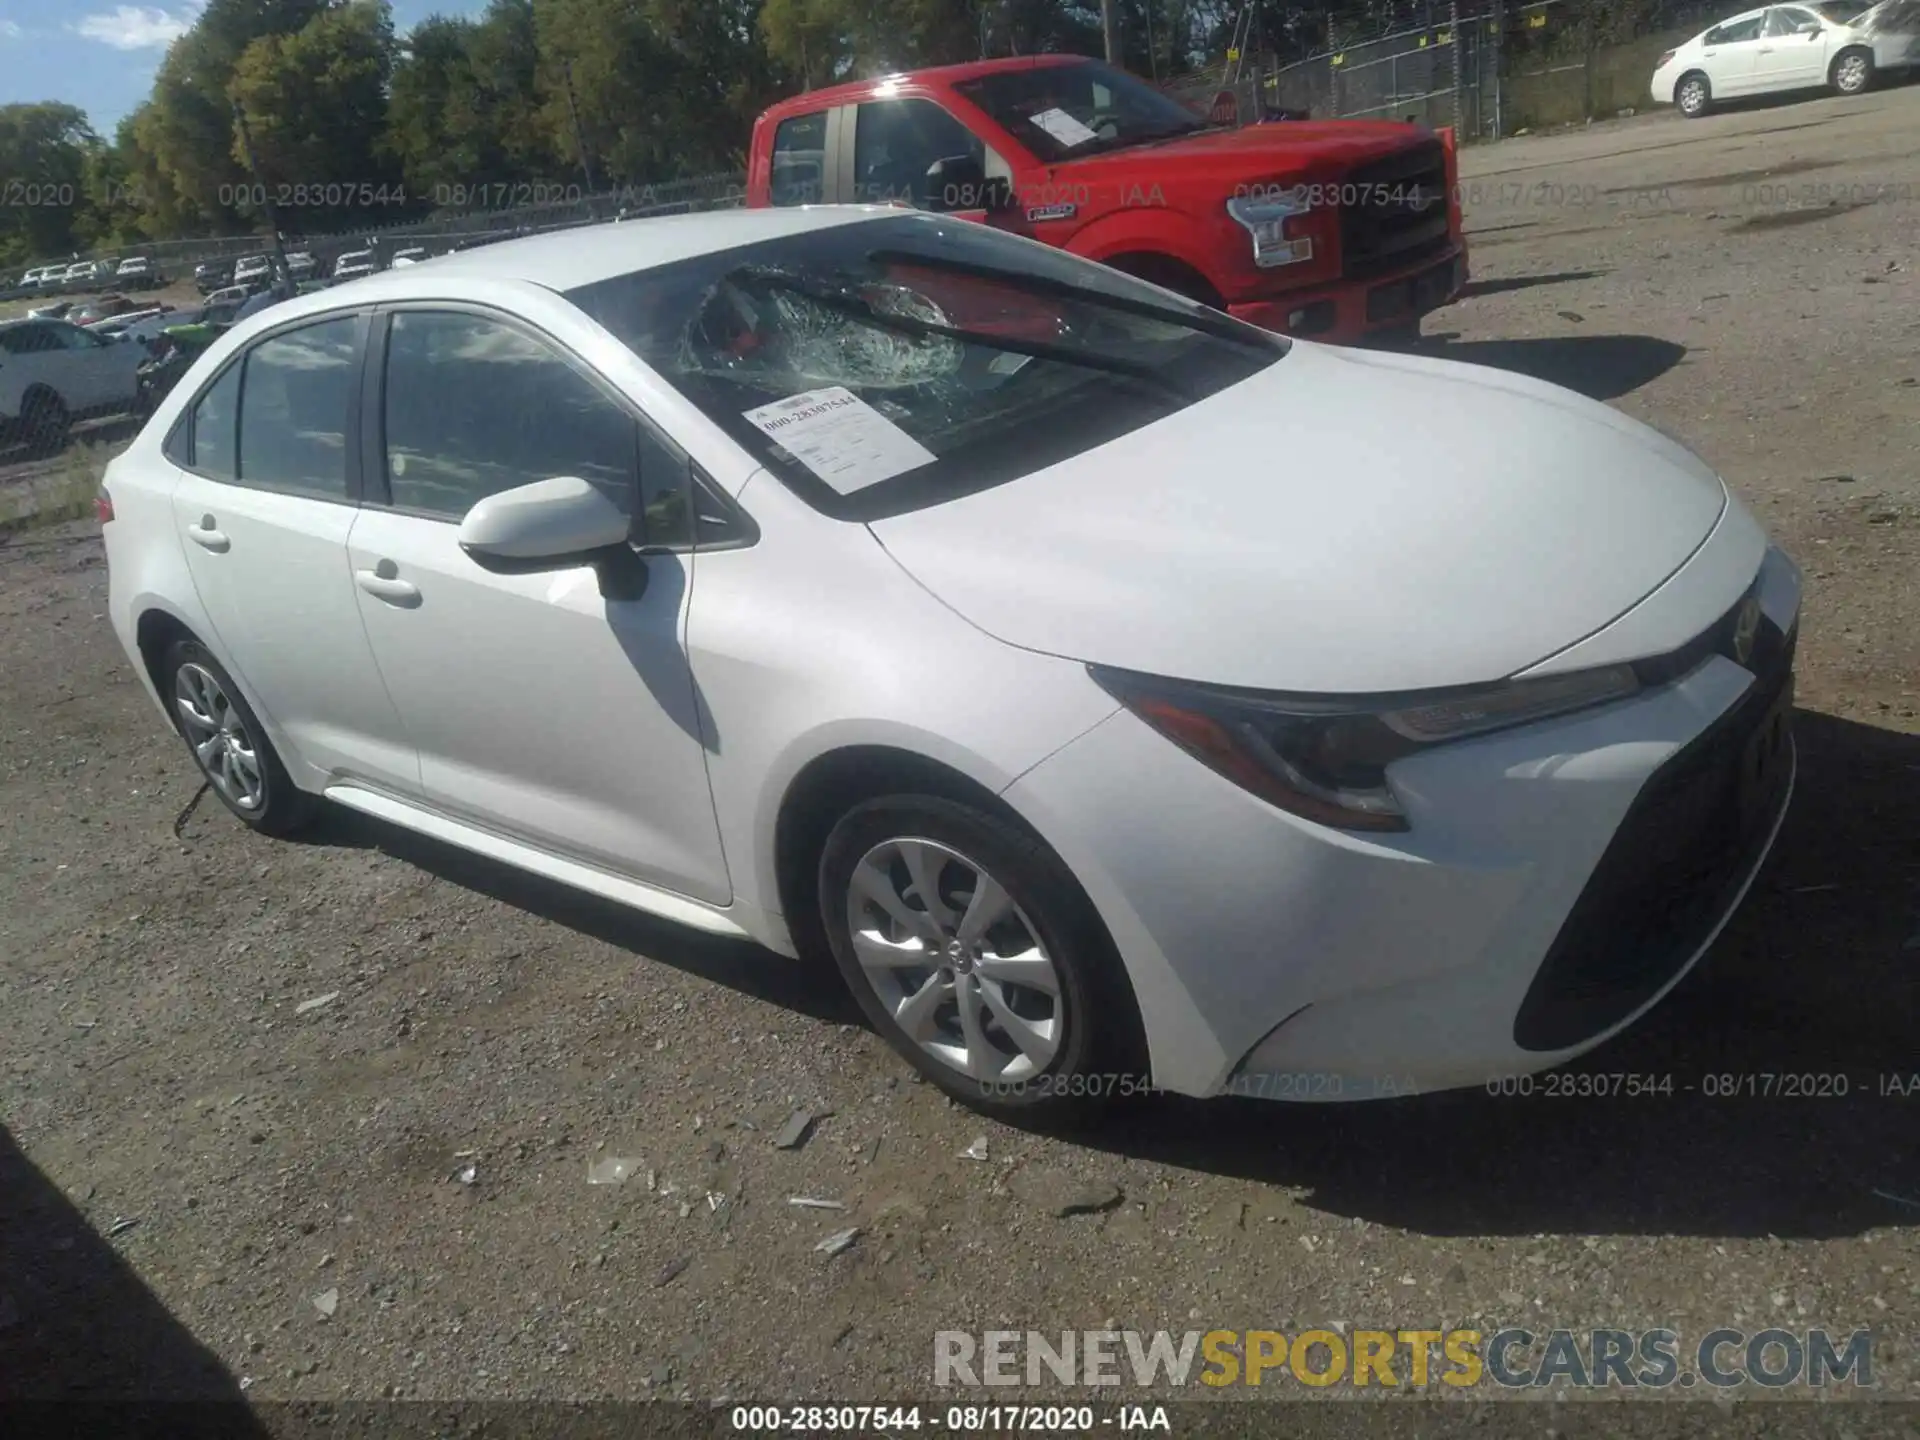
(102,505)
(1663,61)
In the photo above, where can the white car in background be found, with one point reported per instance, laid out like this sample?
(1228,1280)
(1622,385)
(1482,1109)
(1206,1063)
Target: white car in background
(1091,675)
(1840,45)
(53,373)
(355,263)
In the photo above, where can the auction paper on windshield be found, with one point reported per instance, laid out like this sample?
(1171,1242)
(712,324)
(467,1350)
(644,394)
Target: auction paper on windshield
(840,438)
(1064,127)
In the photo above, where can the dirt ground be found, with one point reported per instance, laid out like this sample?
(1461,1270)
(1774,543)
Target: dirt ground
(198,1160)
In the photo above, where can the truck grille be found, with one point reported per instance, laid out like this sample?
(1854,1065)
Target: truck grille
(1673,868)
(1393,212)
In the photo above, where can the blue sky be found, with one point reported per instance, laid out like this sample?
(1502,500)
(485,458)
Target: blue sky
(102,56)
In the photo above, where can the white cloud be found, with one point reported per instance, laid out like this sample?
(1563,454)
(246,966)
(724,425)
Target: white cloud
(138,27)
(9,30)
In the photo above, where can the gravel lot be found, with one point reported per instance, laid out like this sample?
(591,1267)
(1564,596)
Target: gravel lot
(191,1151)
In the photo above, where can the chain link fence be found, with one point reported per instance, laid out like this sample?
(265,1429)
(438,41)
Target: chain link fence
(1485,67)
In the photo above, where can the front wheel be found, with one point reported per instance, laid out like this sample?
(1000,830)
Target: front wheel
(1693,95)
(1852,72)
(975,953)
(46,422)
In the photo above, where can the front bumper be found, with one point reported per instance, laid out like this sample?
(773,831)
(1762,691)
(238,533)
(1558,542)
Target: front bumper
(1500,935)
(1346,311)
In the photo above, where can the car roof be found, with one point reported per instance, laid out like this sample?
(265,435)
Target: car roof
(568,259)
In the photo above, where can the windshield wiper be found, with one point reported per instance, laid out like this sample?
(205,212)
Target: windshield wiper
(1221,327)
(905,325)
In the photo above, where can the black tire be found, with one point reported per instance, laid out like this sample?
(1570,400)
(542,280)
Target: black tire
(1852,71)
(1100,1057)
(282,808)
(1693,94)
(45,422)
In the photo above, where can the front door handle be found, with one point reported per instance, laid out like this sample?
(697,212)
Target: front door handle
(208,536)
(384,581)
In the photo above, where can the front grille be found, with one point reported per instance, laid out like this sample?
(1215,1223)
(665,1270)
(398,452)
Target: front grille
(1393,211)
(1688,843)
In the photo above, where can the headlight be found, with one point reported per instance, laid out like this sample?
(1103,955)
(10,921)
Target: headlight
(1264,217)
(1326,759)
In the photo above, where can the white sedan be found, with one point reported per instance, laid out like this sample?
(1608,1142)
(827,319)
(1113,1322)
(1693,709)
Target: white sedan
(1095,678)
(1841,45)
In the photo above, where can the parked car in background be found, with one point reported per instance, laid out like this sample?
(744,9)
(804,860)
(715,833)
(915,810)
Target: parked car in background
(355,263)
(1830,44)
(211,275)
(1461,812)
(53,373)
(84,275)
(411,255)
(253,271)
(103,308)
(143,328)
(137,272)
(56,310)
(34,278)
(234,295)
(300,265)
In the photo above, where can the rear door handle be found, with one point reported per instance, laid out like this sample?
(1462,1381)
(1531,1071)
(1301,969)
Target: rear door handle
(208,537)
(386,584)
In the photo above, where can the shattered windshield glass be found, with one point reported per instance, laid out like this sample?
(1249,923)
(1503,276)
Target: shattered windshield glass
(889,364)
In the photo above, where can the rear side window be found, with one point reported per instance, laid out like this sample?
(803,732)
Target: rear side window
(474,407)
(28,340)
(1735,31)
(216,428)
(800,160)
(293,409)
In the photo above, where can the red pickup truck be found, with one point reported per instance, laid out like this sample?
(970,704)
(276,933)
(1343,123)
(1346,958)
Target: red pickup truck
(1333,230)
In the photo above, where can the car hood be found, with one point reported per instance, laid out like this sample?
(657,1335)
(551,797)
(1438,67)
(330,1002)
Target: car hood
(1345,521)
(1289,147)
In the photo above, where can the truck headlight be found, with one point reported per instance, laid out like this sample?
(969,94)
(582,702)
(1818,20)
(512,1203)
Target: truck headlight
(1264,217)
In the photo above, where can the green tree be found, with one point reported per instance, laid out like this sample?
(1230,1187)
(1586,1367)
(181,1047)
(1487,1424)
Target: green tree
(43,164)
(186,133)
(316,107)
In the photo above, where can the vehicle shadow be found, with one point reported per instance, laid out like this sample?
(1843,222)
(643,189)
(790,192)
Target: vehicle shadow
(1601,367)
(78,1328)
(1815,977)
(815,991)
(1474,288)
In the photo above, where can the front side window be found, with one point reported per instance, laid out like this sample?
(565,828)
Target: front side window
(1783,22)
(894,363)
(1064,112)
(895,143)
(800,160)
(474,407)
(1735,31)
(295,394)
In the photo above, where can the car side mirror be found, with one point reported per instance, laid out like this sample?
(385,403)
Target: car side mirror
(959,182)
(555,524)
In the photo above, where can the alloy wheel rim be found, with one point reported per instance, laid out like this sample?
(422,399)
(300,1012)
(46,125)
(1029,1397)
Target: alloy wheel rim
(1852,71)
(955,962)
(1691,94)
(219,737)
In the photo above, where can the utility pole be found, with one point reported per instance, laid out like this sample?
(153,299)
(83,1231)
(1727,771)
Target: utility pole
(282,274)
(579,134)
(1110,26)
